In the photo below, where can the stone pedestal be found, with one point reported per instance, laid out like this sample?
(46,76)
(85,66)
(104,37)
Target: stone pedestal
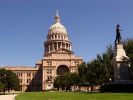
(122,82)
(121,70)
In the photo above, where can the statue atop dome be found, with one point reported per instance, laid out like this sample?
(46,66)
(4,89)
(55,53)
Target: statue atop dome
(57,17)
(118,35)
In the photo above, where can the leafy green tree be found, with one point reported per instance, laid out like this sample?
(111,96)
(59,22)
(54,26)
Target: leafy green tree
(82,72)
(74,79)
(105,66)
(3,80)
(1,86)
(128,46)
(87,75)
(9,80)
(58,82)
(98,71)
(12,81)
(66,81)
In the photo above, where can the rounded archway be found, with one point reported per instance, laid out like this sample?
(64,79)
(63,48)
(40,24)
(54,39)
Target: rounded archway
(62,69)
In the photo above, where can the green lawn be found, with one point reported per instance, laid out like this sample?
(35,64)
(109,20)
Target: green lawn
(73,96)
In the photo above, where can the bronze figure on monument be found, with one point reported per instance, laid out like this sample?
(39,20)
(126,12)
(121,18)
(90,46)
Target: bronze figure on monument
(118,34)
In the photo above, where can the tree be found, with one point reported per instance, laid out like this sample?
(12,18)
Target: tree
(58,82)
(74,79)
(66,81)
(92,73)
(12,81)
(87,74)
(1,86)
(9,80)
(3,81)
(82,72)
(128,46)
(105,65)
(98,71)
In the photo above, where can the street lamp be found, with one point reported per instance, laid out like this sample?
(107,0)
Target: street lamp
(110,79)
(129,64)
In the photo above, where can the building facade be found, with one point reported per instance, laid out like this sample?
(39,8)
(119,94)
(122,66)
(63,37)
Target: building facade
(58,58)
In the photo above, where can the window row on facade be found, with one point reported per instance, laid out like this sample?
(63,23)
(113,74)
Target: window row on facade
(62,37)
(28,81)
(27,74)
(49,71)
(58,27)
(49,63)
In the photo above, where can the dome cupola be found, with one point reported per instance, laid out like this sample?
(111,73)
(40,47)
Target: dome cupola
(57,27)
(57,38)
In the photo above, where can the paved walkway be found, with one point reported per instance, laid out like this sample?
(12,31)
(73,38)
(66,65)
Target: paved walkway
(7,97)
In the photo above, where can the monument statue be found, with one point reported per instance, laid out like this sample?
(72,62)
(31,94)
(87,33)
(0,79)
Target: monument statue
(120,68)
(118,35)
(121,81)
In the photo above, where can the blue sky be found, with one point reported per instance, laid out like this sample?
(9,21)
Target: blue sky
(90,24)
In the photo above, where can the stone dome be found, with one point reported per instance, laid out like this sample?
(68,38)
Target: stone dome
(57,27)
(57,38)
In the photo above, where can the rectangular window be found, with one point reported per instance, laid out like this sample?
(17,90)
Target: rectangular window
(28,74)
(49,71)
(49,78)
(20,74)
(49,63)
(27,81)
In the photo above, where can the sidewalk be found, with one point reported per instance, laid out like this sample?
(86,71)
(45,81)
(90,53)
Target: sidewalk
(7,97)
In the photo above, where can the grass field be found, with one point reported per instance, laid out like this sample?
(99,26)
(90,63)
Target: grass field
(73,96)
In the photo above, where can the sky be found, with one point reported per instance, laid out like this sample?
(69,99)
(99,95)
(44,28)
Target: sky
(90,24)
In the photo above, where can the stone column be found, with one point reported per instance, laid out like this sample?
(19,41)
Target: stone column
(65,45)
(57,45)
(45,49)
(49,47)
(43,79)
(61,44)
(53,46)
(70,47)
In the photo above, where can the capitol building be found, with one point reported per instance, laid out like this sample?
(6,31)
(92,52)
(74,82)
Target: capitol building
(58,58)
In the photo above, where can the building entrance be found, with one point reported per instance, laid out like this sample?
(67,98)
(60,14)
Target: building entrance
(62,69)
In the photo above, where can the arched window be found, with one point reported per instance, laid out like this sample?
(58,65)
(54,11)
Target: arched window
(62,69)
